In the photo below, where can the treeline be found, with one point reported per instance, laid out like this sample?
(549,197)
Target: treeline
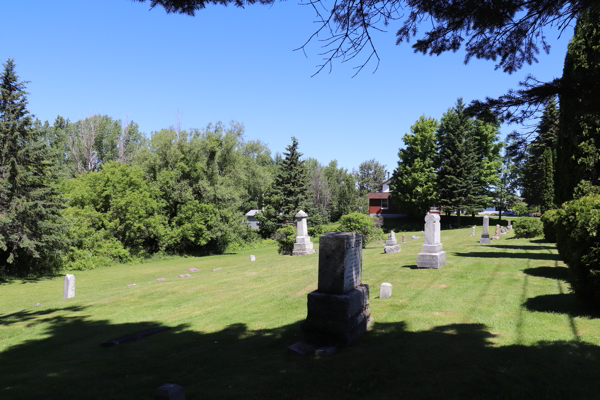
(98,191)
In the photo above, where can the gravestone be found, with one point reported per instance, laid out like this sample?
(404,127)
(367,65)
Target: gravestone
(432,254)
(391,245)
(485,236)
(509,227)
(497,232)
(473,228)
(161,279)
(303,245)
(185,276)
(338,311)
(252,258)
(132,284)
(403,238)
(69,286)
(385,290)
(169,392)
(193,270)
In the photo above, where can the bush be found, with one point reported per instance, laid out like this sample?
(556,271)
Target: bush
(578,242)
(360,223)
(527,227)
(316,231)
(549,220)
(286,237)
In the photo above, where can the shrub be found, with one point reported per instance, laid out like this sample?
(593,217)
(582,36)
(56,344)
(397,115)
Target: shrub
(527,227)
(316,231)
(286,237)
(549,221)
(578,242)
(360,223)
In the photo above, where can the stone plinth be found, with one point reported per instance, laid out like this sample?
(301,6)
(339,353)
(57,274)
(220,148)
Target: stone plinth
(340,262)
(385,290)
(338,311)
(303,245)
(69,286)
(485,236)
(391,249)
(432,254)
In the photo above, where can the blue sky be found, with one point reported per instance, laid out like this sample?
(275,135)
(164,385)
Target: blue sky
(118,58)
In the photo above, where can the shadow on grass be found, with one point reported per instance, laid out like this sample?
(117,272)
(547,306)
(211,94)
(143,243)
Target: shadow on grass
(525,247)
(563,303)
(26,315)
(492,254)
(4,280)
(549,272)
(458,360)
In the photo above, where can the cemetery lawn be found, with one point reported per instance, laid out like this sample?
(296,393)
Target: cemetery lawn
(498,321)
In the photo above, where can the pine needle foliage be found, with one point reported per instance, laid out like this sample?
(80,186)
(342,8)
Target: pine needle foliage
(31,227)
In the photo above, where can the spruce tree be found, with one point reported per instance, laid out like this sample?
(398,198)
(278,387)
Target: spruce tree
(547,181)
(31,227)
(291,185)
(578,144)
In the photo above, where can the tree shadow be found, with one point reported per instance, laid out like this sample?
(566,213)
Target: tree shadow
(563,303)
(26,315)
(560,273)
(524,247)
(491,254)
(458,360)
(4,280)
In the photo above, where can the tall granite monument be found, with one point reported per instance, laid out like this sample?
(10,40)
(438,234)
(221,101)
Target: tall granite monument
(485,236)
(303,245)
(432,254)
(338,311)
(391,245)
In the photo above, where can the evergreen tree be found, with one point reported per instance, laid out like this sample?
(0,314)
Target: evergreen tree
(413,185)
(31,227)
(457,168)
(290,190)
(547,181)
(578,145)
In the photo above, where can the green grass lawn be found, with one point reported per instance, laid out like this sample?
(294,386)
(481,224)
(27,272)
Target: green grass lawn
(498,321)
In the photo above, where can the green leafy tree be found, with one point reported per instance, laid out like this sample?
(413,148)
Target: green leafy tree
(370,175)
(32,230)
(505,192)
(414,185)
(578,145)
(345,196)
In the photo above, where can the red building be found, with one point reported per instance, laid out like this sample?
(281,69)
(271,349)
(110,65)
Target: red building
(380,202)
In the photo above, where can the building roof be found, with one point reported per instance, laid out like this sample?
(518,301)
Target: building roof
(379,195)
(252,213)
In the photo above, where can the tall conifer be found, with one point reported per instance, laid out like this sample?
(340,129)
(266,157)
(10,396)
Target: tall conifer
(31,227)
(291,184)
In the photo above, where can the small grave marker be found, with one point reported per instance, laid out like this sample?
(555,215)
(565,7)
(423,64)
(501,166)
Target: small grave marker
(385,291)
(131,284)
(185,276)
(216,269)
(193,269)
(252,258)
(161,279)
(69,286)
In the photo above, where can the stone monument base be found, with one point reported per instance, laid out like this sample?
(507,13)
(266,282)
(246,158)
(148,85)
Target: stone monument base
(431,260)
(337,319)
(485,239)
(391,249)
(303,249)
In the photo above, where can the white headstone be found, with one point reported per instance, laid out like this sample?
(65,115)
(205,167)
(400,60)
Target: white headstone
(432,254)
(252,258)
(69,287)
(303,245)
(497,232)
(391,239)
(385,291)
(485,236)
(473,230)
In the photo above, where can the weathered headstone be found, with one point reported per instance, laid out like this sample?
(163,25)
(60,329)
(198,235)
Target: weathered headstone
(391,245)
(69,286)
(338,311)
(303,245)
(185,276)
(503,230)
(216,269)
(252,258)
(169,392)
(485,236)
(385,290)
(473,228)
(161,279)
(416,237)
(432,254)
(497,232)
(193,269)
(403,238)
(509,225)
(132,284)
